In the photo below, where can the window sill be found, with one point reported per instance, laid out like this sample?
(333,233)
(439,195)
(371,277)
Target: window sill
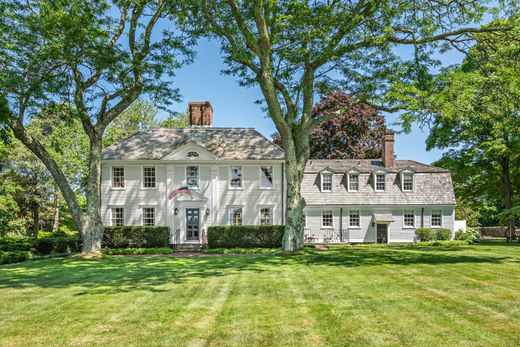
(115,188)
(266,188)
(327,227)
(146,188)
(354,227)
(408,227)
(235,188)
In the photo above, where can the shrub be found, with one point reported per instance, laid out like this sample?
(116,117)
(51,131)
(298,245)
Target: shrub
(49,245)
(136,237)
(245,236)
(424,234)
(470,235)
(240,250)
(137,251)
(443,234)
(14,257)
(15,244)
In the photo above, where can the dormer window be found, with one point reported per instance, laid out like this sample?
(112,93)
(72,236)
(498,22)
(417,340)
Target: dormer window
(379,182)
(353,182)
(192,154)
(326,181)
(407,181)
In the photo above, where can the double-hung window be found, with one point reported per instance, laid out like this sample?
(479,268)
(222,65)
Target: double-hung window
(192,177)
(117,216)
(353,220)
(235,216)
(266,216)
(353,182)
(235,177)
(436,218)
(407,178)
(148,216)
(380,182)
(266,177)
(118,177)
(326,182)
(326,219)
(409,219)
(148,177)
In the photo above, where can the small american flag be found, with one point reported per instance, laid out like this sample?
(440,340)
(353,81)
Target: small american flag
(179,191)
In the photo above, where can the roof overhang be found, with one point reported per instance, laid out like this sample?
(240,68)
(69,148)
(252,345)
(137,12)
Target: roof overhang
(383,218)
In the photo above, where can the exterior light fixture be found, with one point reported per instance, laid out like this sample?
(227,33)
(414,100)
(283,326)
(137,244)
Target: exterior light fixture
(176,211)
(207,211)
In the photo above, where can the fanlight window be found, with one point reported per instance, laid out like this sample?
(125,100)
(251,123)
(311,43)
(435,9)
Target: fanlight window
(192,154)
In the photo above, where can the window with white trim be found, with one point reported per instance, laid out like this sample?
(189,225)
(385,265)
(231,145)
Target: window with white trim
(436,218)
(117,218)
(192,177)
(380,182)
(266,177)
(326,219)
(409,219)
(235,177)
(266,216)
(148,216)
(192,154)
(353,219)
(149,177)
(407,178)
(118,177)
(235,216)
(326,182)
(353,182)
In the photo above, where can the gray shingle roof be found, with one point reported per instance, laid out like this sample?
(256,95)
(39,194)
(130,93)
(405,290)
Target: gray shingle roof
(366,165)
(225,143)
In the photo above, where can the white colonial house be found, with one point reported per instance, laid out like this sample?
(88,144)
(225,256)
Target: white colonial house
(189,179)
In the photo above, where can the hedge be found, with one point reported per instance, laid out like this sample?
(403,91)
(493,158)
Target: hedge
(14,257)
(138,251)
(13,244)
(50,245)
(443,234)
(245,236)
(136,237)
(425,235)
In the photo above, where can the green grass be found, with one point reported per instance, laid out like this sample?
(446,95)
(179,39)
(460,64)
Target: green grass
(429,296)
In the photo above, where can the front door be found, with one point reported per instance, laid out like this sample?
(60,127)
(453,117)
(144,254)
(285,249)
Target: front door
(382,233)
(192,223)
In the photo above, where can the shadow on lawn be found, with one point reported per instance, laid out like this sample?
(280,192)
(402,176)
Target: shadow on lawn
(121,274)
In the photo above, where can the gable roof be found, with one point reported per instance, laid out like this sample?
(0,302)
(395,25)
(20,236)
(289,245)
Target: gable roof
(368,166)
(224,143)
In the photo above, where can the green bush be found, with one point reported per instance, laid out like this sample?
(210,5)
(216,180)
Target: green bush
(57,244)
(470,235)
(15,244)
(443,234)
(137,251)
(14,257)
(240,250)
(424,235)
(136,237)
(245,236)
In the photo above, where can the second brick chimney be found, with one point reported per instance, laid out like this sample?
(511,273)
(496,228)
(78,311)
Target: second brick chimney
(200,113)
(388,149)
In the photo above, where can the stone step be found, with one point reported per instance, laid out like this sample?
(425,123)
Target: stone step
(188,247)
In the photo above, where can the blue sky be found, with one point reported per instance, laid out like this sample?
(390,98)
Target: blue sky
(234,105)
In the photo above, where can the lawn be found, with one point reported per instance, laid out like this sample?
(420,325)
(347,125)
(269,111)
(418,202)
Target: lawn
(468,295)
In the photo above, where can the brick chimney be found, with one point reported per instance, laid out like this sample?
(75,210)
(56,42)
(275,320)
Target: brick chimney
(201,113)
(388,149)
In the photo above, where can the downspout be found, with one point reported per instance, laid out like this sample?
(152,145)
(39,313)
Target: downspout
(341,224)
(283,195)
(422,218)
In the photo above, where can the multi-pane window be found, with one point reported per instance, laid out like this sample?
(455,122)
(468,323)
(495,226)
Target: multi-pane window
(235,216)
(409,219)
(118,216)
(235,177)
(192,154)
(436,218)
(407,182)
(326,218)
(118,177)
(380,182)
(266,177)
(192,177)
(353,219)
(326,182)
(148,216)
(148,177)
(266,216)
(353,182)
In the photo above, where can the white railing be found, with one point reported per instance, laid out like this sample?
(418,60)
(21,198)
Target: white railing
(326,235)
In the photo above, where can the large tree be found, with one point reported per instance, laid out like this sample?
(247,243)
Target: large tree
(476,110)
(98,56)
(292,48)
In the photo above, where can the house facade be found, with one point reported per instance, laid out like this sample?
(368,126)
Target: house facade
(193,178)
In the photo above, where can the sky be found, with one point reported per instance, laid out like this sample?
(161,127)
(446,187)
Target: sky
(234,106)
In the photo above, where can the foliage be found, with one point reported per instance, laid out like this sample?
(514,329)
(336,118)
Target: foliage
(442,234)
(137,251)
(241,250)
(245,236)
(15,244)
(14,257)
(175,120)
(136,237)
(471,235)
(426,244)
(425,234)
(57,244)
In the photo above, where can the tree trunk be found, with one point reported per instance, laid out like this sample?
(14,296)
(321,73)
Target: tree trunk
(93,228)
(506,179)
(36,220)
(56,216)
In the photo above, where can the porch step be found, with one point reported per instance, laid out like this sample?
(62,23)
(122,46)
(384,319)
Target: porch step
(187,247)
